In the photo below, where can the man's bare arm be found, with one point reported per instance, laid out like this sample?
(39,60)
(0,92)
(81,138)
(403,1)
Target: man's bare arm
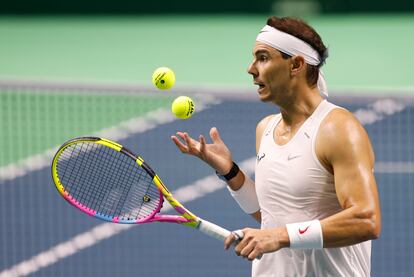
(344,148)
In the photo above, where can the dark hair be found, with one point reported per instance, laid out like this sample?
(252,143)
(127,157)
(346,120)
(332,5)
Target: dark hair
(300,29)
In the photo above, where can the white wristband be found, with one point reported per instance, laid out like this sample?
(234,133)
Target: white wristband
(305,235)
(246,196)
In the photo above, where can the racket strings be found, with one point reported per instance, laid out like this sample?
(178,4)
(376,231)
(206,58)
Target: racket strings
(149,194)
(80,177)
(107,181)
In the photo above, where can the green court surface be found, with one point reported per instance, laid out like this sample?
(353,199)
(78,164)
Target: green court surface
(366,51)
(34,122)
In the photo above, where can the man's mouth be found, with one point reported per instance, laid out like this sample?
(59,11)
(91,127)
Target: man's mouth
(261,86)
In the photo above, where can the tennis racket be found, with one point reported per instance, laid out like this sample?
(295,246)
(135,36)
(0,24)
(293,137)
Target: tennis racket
(106,180)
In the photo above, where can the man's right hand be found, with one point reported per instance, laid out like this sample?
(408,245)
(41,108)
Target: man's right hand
(216,154)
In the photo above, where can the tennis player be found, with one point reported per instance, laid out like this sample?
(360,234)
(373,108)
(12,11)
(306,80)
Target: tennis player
(314,193)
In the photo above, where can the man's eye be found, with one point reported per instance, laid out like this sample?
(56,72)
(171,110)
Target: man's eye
(263,58)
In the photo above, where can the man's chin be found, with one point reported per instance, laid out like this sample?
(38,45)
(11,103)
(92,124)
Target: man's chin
(264,97)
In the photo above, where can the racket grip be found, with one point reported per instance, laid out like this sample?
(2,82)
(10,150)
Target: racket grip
(213,230)
(220,233)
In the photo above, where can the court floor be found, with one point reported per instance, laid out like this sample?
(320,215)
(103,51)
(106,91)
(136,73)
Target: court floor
(44,235)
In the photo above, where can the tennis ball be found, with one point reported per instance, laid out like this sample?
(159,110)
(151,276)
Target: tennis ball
(163,78)
(183,107)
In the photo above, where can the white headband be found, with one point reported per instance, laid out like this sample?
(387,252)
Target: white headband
(293,46)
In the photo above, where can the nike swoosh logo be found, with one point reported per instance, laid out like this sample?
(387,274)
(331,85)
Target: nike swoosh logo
(293,157)
(303,231)
(259,158)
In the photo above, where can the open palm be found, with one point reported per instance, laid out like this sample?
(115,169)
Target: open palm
(216,154)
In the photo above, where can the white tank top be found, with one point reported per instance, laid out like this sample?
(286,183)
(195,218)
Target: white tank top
(293,186)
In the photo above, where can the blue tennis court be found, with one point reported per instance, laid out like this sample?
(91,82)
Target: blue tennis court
(44,235)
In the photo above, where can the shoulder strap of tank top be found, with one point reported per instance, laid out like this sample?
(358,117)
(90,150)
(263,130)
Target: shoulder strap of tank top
(272,123)
(319,115)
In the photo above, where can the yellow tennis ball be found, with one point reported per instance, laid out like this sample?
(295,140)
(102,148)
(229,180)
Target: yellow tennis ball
(163,78)
(183,107)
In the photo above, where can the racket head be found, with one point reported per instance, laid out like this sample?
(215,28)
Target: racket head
(105,180)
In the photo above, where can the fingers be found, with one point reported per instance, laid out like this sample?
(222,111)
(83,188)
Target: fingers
(247,250)
(179,144)
(240,234)
(189,146)
(202,143)
(231,239)
(254,255)
(187,140)
(248,246)
(182,135)
(215,136)
(251,251)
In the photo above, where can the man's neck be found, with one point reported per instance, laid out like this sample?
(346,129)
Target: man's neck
(299,109)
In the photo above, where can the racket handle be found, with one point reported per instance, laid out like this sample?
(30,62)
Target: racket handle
(213,230)
(220,233)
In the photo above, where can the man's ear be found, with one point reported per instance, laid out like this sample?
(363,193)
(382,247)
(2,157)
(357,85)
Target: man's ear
(297,64)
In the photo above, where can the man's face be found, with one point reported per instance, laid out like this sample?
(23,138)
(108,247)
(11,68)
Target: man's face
(271,72)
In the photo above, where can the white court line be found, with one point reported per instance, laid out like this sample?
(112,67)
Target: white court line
(121,131)
(379,110)
(394,167)
(375,112)
(105,231)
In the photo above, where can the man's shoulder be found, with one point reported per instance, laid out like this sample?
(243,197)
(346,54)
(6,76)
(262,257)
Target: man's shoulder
(338,117)
(340,127)
(261,127)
